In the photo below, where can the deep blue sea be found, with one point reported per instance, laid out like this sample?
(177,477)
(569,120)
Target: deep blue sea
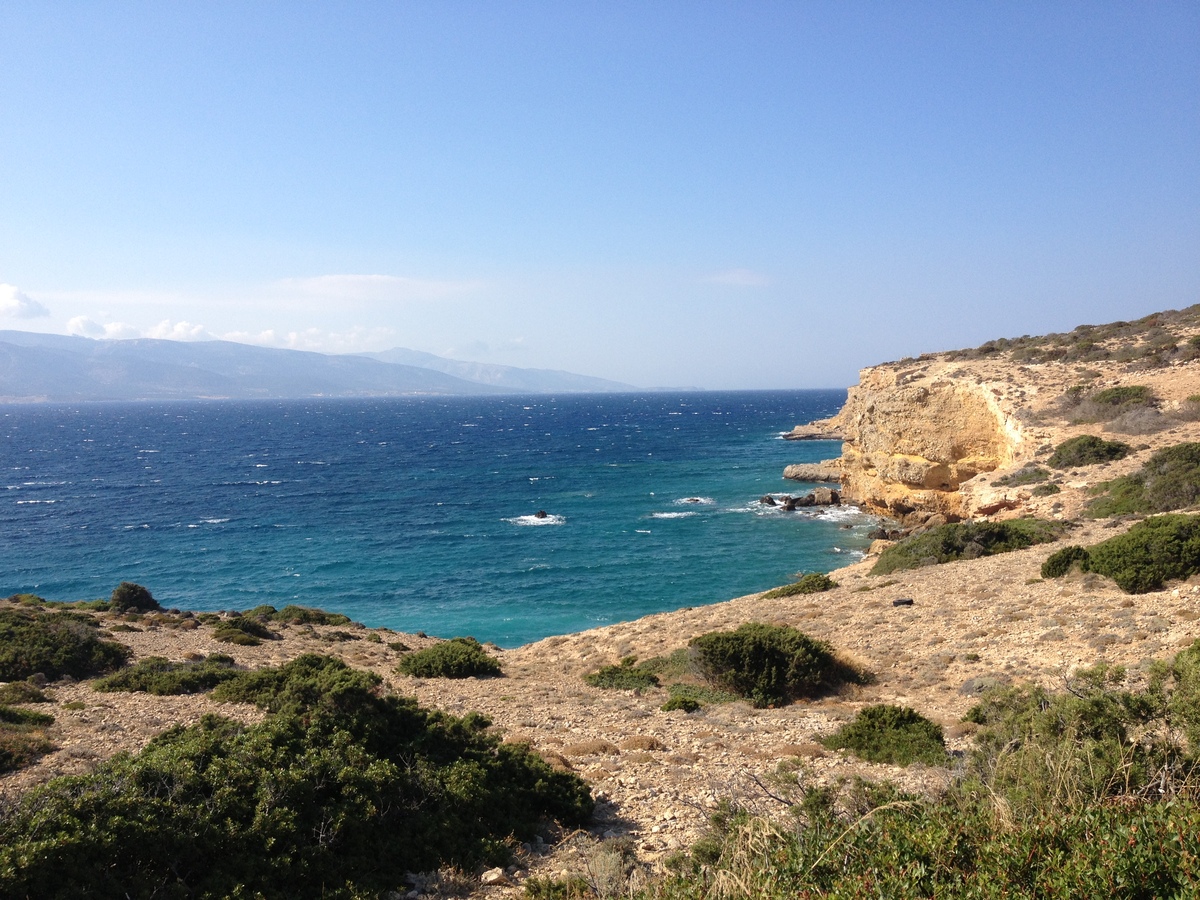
(419,514)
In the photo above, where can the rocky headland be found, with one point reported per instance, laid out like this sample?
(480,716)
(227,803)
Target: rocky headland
(926,441)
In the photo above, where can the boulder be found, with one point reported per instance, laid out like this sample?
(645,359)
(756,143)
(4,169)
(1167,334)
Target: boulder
(767,500)
(823,496)
(827,470)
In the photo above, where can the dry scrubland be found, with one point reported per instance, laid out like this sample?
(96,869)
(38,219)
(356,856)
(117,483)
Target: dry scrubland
(659,775)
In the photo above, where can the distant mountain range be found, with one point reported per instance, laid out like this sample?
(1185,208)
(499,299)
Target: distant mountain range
(52,368)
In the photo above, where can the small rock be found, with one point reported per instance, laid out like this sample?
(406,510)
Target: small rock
(902,601)
(493,877)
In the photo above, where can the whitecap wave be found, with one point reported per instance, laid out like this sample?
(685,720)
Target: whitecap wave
(214,521)
(695,501)
(30,502)
(672,515)
(536,520)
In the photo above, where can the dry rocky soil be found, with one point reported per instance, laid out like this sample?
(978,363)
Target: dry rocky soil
(658,775)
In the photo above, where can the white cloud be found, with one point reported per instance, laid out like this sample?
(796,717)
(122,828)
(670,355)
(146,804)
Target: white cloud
(375,288)
(15,304)
(179,331)
(356,340)
(113,331)
(739,278)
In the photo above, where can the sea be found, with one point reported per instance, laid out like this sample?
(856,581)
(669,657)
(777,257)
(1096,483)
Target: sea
(505,518)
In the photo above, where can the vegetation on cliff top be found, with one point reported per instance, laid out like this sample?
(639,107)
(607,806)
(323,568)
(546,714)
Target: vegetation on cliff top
(1169,480)
(964,540)
(460,657)
(54,644)
(1151,553)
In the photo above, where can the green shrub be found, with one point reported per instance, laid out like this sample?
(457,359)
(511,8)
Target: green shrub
(1153,551)
(157,675)
(964,540)
(1025,475)
(623,677)
(771,664)
(1046,490)
(687,704)
(891,734)
(1127,395)
(700,694)
(54,644)
(129,596)
(339,797)
(244,631)
(812,583)
(1169,480)
(460,657)
(307,682)
(1087,450)
(298,615)
(22,692)
(22,740)
(1060,562)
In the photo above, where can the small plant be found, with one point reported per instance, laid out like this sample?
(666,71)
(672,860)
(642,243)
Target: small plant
(157,675)
(22,692)
(1087,450)
(772,665)
(128,596)
(245,631)
(700,694)
(1060,562)
(891,734)
(22,739)
(623,677)
(460,657)
(964,540)
(54,644)
(1027,475)
(687,704)
(1049,489)
(812,583)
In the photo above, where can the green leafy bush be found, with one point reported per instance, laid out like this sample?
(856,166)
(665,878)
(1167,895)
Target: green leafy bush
(309,682)
(1169,480)
(812,583)
(687,704)
(298,615)
(1025,475)
(157,675)
(1087,450)
(771,665)
(1060,562)
(128,596)
(245,631)
(964,540)
(891,734)
(331,797)
(55,644)
(22,692)
(1111,403)
(1048,489)
(703,695)
(22,739)
(1153,551)
(460,657)
(623,677)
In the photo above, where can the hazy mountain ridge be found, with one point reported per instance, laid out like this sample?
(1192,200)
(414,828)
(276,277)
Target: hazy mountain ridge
(38,367)
(507,377)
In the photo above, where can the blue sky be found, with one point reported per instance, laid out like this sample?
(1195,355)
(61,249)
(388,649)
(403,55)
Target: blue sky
(724,195)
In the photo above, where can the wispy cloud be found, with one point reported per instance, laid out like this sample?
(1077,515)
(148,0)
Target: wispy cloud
(15,304)
(354,340)
(739,278)
(375,288)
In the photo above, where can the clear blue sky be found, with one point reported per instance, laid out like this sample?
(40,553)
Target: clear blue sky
(725,195)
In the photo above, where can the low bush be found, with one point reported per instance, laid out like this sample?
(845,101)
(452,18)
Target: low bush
(297,615)
(54,644)
(1049,489)
(157,675)
(891,734)
(128,596)
(812,583)
(700,694)
(332,797)
(1023,476)
(1108,404)
(625,676)
(1169,480)
(1087,450)
(1060,562)
(1154,551)
(22,738)
(460,657)
(964,540)
(686,704)
(771,665)
(22,692)
(245,631)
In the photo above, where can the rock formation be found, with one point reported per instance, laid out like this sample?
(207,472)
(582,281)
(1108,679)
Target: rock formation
(826,470)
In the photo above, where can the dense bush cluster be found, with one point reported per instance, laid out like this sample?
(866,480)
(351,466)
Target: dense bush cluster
(297,615)
(891,734)
(964,540)
(460,657)
(812,583)
(54,644)
(1169,480)
(157,675)
(130,597)
(338,794)
(1087,450)
(625,676)
(246,631)
(1152,552)
(771,665)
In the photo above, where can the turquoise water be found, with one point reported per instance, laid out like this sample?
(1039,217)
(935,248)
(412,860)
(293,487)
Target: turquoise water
(419,514)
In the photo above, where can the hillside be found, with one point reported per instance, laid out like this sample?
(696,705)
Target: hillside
(928,440)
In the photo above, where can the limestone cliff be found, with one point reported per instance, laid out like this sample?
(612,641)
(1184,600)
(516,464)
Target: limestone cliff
(915,433)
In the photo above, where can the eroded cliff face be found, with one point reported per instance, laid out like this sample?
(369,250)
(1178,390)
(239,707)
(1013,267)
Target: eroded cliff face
(914,435)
